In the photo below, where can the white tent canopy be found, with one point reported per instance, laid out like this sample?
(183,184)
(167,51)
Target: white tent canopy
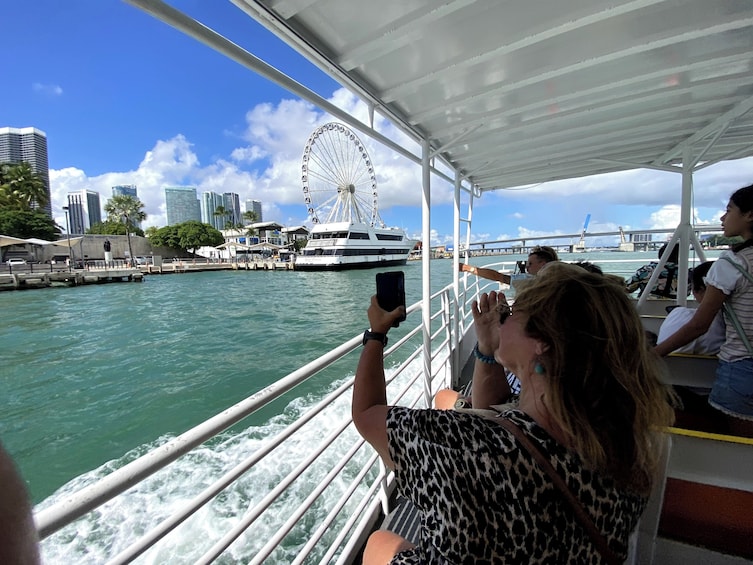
(6,240)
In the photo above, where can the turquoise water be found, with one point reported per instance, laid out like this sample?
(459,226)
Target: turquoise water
(89,373)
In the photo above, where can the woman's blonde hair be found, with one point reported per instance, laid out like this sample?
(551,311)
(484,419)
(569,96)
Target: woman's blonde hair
(605,388)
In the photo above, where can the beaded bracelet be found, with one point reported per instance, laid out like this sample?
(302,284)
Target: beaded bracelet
(483,358)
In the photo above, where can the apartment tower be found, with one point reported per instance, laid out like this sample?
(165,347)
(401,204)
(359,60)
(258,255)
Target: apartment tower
(29,145)
(181,204)
(84,210)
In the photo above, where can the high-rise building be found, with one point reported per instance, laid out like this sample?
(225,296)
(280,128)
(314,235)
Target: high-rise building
(84,210)
(254,206)
(210,201)
(233,206)
(126,190)
(29,145)
(181,204)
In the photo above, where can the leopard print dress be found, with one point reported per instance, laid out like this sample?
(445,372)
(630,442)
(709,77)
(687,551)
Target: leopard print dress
(483,499)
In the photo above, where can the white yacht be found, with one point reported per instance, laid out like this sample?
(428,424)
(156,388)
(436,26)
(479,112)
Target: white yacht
(345,245)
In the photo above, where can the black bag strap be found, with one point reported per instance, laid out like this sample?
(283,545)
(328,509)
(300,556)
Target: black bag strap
(598,539)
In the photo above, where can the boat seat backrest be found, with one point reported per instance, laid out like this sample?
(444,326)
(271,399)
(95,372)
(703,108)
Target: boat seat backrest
(697,371)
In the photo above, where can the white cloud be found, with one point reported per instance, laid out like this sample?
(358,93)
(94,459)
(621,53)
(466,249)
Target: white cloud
(47,89)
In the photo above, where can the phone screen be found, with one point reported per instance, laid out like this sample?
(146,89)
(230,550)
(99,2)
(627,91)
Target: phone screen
(391,291)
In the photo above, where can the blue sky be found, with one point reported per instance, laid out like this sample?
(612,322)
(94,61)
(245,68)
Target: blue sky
(126,99)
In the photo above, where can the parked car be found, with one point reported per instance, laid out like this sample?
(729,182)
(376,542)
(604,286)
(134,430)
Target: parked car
(15,261)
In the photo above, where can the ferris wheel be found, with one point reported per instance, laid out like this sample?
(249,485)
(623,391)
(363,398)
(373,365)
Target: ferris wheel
(339,184)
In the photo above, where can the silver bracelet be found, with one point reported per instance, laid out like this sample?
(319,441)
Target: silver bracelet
(483,358)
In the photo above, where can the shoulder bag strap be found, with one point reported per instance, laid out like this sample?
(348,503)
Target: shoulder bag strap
(731,313)
(596,536)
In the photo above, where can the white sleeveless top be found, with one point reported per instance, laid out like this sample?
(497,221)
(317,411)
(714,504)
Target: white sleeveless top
(739,291)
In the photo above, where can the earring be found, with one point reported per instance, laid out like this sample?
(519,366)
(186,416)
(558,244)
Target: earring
(539,368)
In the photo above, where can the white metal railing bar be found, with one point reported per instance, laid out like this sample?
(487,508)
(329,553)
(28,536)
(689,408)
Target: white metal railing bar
(221,545)
(304,507)
(374,504)
(156,533)
(250,517)
(324,526)
(52,519)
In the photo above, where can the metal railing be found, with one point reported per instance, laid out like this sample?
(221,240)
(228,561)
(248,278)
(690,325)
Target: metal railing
(340,481)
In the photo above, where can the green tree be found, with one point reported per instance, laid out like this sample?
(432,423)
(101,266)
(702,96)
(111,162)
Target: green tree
(193,234)
(127,210)
(28,223)
(166,237)
(113,228)
(21,188)
(299,244)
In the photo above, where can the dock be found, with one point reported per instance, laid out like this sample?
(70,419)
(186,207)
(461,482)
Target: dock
(78,277)
(201,266)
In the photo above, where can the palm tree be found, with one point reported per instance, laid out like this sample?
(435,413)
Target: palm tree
(221,211)
(127,210)
(250,217)
(21,188)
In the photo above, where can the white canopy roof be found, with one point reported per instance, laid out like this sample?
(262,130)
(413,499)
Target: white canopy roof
(526,91)
(6,240)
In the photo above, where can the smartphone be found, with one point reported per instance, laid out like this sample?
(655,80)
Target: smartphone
(391,292)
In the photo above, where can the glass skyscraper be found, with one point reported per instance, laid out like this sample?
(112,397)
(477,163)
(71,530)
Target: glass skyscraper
(181,204)
(233,206)
(210,201)
(29,145)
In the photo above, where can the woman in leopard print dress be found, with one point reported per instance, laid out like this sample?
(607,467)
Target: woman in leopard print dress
(590,399)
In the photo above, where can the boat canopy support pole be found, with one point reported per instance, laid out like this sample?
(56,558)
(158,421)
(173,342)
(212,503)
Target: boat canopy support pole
(684,235)
(454,344)
(426,266)
(685,226)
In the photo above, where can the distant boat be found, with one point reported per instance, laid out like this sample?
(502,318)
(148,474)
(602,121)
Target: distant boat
(345,245)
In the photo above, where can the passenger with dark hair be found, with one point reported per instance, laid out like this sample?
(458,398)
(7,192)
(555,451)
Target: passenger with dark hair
(729,286)
(591,402)
(706,344)
(666,285)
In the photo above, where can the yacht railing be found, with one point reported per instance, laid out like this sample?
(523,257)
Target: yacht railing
(341,530)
